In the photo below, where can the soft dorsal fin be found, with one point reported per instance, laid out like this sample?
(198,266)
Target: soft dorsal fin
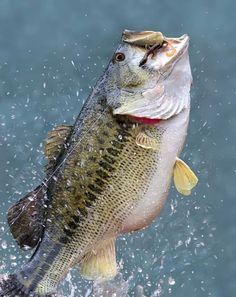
(55,142)
(184,178)
(26,218)
(100,263)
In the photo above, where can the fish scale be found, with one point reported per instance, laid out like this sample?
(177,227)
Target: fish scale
(110,172)
(106,213)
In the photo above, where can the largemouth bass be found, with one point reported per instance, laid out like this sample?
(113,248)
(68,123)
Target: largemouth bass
(110,172)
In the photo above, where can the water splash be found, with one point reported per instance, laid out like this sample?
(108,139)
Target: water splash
(114,288)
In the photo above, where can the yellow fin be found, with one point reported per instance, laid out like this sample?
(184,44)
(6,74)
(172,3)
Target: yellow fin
(147,142)
(55,141)
(100,263)
(184,178)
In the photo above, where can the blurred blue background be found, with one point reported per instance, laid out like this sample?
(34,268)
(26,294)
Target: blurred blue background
(51,54)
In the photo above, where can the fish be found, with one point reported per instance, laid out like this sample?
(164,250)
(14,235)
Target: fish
(110,172)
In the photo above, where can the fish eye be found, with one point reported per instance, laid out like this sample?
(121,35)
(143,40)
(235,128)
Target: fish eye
(119,57)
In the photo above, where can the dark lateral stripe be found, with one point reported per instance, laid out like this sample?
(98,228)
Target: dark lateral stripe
(102,174)
(44,266)
(113,151)
(124,133)
(72,225)
(68,232)
(83,212)
(88,203)
(106,166)
(117,144)
(99,182)
(95,189)
(36,281)
(109,159)
(91,196)
(64,239)
(76,218)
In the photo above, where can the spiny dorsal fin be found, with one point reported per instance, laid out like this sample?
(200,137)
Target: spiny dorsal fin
(184,178)
(26,218)
(100,263)
(55,142)
(147,142)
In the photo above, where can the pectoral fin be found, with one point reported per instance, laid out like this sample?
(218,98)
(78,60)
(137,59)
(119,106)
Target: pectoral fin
(184,178)
(100,263)
(147,142)
(26,218)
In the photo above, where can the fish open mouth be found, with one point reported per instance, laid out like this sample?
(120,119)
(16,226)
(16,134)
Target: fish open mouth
(156,44)
(174,48)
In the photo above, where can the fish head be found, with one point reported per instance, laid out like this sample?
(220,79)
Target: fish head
(142,64)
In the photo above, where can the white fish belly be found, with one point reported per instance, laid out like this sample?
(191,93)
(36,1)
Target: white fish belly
(153,199)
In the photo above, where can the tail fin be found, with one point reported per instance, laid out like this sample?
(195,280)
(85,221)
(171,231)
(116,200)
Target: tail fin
(11,287)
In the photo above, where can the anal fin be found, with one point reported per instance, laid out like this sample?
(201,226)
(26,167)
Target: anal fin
(100,263)
(26,218)
(184,178)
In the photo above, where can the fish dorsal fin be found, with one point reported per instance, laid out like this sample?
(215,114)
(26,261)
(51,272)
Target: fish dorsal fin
(55,141)
(147,142)
(184,178)
(100,263)
(26,218)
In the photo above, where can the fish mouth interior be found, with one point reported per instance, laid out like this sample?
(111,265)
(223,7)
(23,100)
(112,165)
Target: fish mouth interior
(154,42)
(178,45)
(182,44)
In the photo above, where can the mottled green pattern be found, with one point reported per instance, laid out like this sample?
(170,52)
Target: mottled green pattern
(194,241)
(94,192)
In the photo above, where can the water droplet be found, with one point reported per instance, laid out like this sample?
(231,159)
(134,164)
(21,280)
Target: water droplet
(4,245)
(171,281)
